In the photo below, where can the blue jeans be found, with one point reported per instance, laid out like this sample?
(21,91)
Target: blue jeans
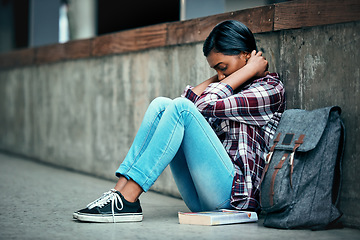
(174,132)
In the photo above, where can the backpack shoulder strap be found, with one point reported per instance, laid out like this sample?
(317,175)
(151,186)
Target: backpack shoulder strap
(297,145)
(269,156)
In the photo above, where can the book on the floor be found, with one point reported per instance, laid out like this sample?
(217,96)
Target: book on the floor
(217,217)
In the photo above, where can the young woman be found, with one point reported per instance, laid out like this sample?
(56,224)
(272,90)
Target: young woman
(214,137)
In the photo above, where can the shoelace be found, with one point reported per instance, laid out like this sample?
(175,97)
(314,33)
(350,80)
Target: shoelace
(105,199)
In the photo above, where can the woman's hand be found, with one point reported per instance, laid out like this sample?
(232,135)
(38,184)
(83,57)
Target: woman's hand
(258,64)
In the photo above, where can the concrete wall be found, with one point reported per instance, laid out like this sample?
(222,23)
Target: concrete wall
(83,114)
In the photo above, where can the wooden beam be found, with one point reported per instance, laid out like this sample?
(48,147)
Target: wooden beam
(258,19)
(130,40)
(49,54)
(18,58)
(78,49)
(308,13)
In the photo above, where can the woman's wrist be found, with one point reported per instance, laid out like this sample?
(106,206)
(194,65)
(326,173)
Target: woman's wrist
(240,76)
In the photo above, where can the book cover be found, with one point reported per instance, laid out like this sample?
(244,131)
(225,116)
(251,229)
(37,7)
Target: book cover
(217,217)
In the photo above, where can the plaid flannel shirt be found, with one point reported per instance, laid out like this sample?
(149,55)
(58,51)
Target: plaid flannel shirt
(244,121)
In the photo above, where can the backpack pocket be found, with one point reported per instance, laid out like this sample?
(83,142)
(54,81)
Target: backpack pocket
(279,190)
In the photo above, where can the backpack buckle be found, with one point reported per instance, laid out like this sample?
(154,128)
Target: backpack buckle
(291,159)
(268,157)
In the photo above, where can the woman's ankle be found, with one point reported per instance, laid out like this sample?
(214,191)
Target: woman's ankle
(131,191)
(120,184)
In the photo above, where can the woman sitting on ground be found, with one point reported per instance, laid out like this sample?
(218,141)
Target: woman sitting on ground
(214,137)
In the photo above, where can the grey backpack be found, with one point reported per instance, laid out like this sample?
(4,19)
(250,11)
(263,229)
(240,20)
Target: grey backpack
(301,178)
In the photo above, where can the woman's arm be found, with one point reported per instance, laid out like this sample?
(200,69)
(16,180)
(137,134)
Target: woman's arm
(199,89)
(255,67)
(254,105)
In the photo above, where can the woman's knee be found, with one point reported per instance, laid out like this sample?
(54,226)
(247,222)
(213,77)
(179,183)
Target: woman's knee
(178,104)
(160,102)
(182,103)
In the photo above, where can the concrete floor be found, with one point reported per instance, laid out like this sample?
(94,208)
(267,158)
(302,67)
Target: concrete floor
(37,202)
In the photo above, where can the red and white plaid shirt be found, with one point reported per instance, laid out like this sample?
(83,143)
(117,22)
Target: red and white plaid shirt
(244,120)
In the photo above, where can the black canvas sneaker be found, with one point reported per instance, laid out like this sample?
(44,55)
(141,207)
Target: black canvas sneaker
(110,207)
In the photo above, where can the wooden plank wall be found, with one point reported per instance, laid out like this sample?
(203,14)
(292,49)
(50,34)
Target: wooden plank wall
(288,15)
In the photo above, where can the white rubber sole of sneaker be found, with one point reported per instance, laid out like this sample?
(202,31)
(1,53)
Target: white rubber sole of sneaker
(129,217)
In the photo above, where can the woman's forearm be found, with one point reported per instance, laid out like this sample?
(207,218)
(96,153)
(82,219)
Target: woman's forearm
(256,67)
(240,76)
(235,80)
(199,89)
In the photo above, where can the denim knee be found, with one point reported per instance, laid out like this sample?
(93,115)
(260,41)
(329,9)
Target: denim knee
(160,102)
(183,103)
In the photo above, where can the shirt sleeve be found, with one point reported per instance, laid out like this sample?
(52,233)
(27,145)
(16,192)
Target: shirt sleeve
(255,105)
(189,94)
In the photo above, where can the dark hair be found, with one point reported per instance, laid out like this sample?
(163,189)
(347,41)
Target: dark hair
(230,38)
